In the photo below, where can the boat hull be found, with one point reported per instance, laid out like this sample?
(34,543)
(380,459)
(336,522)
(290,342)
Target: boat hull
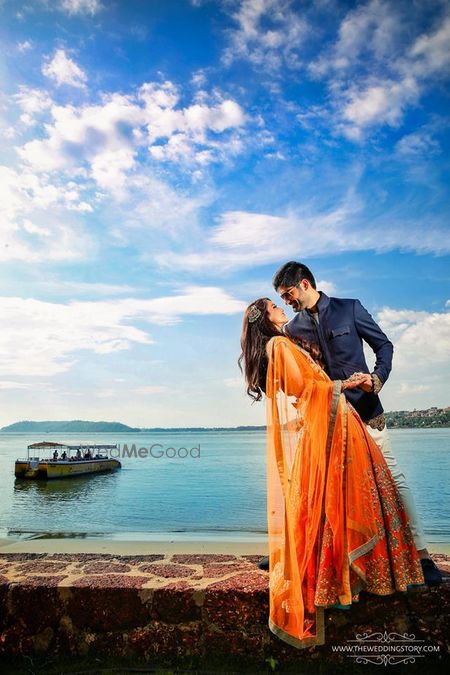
(64,469)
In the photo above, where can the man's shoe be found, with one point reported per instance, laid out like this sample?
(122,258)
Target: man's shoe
(431,573)
(263,564)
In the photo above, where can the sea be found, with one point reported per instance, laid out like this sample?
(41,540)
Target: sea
(190,485)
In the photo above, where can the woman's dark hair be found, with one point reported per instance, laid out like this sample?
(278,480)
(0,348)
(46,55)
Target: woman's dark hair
(255,335)
(290,274)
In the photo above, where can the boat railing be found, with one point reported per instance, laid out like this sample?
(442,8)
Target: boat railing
(83,453)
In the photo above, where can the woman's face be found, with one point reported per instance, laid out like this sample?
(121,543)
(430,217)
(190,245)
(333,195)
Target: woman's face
(276,314)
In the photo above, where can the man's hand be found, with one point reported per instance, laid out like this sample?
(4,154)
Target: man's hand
(366,383)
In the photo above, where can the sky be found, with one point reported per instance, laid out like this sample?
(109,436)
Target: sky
(160,160)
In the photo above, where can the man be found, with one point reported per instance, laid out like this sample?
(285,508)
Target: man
(339,327)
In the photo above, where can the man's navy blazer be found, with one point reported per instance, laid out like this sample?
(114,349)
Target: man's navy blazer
(342,327)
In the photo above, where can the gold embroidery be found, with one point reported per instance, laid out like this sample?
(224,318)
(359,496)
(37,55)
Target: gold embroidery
(378,422)
(377,383)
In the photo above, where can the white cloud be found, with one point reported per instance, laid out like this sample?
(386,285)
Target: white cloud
(151,389)
(417,332)
(99,145)
(185,128)
(431,51)
(372,30)
(417,144)
(406,388)
(34,224)
(104,138)
(22,191)
(375,71)
(45,338)
(32,102)
(328,287)
(80,6)
(199,78)
(234,382)
(31,228)
(71,288)
(269,34)
(5,384)
(155,208)
(63,70)
(381,103)
(109,168)
(24,46)
(96,145)
(243,239)
(421,358)
(80,136)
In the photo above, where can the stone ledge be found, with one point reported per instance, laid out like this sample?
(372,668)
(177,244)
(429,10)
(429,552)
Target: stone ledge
(168,608)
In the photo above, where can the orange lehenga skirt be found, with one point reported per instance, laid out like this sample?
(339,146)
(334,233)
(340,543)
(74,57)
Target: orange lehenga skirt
(336,522)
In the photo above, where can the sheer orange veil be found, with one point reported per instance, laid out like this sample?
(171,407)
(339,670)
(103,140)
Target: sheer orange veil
(319,501)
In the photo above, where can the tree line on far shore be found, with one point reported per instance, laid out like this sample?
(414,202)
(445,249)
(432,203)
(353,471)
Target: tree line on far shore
(430,418)
(402,419)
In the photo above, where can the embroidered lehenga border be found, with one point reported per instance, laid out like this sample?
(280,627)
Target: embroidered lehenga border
(336,522)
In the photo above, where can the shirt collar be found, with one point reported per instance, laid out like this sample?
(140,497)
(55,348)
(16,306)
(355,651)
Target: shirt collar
(322,302)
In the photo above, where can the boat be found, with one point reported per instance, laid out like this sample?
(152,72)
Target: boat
(67,460)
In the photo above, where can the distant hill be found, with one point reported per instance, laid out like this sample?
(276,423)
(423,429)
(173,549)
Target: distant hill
(402,419)
(76,426)
(83,426)
(431,418)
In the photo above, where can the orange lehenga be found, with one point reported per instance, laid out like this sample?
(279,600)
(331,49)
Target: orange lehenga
(336,522)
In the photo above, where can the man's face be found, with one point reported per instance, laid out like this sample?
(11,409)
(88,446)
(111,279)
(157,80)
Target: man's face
(297,296)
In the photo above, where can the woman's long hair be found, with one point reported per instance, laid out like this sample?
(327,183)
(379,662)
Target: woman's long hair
(253,359)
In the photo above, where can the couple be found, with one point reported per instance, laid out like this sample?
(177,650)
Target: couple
(341,518)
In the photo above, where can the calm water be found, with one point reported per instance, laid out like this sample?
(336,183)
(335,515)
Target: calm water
(222,492)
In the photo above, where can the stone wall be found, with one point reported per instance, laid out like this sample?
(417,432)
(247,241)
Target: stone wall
(202,610)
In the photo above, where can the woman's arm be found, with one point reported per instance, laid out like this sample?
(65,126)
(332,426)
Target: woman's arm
(284,370)
(287,373)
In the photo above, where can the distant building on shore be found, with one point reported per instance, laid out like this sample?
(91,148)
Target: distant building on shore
(431,417)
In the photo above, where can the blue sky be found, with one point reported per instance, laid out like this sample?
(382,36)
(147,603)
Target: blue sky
(160,160)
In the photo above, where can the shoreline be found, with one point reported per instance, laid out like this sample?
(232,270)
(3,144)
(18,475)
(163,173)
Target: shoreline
(157,543)
(144,544)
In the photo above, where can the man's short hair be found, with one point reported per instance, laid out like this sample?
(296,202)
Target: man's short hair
(290,274)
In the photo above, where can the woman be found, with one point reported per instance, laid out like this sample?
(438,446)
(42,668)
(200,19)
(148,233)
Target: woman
(336,522)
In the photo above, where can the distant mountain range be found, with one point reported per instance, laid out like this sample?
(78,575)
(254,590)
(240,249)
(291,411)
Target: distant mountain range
(430,418)
(77,426)
(83,426)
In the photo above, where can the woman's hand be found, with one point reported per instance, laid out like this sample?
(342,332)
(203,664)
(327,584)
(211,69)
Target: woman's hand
(361,380)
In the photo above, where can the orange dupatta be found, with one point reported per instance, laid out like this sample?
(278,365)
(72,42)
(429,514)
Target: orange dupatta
(328,492)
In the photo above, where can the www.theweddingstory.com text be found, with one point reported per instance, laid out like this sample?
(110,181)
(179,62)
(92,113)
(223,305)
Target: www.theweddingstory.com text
(386,648)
